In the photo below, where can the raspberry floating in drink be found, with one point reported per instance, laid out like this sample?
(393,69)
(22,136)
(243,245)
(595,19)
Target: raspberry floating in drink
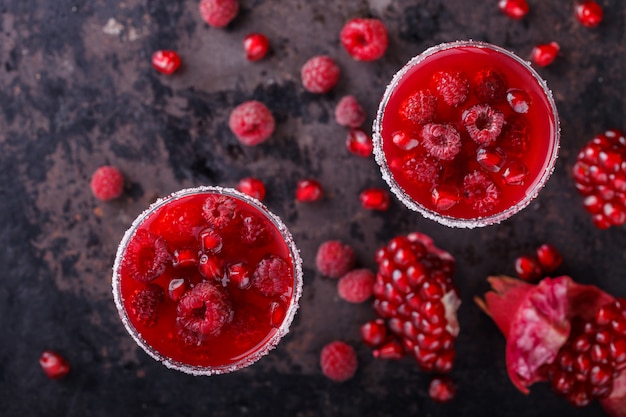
(544,54)
(207,280)
(320,74)
(466,134)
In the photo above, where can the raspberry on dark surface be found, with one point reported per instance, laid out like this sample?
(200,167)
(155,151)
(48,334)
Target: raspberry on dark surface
(334,258)
(365,39)
(320,74)
(480,192)
(338,361)
(356,286)
(252,123)
(218,13)
(144,304)
(452,87)
(146,256)
(483,123)
(420,107)
(219,210)
(204,310)
(349,112)
(441,140)
(490,85)
(272,276)
(107,183)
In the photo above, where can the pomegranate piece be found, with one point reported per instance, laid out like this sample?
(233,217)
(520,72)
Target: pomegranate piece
(320,74)
(364,39)
(338,361)
(53,364)
(253,187)
(166,62)
(255,45)
(176,288)
(184,258)
(515,9)
(441,389)
(404,141)
(359,143)
(589,13)
(544,54)
(375,199)
(518,100)
(334,258)
(374,333)
(107,183)
(309,190)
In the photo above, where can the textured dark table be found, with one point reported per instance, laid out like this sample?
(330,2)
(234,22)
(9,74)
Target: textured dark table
(77,91)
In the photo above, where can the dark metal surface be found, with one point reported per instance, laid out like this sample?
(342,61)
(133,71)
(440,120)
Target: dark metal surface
(77,91)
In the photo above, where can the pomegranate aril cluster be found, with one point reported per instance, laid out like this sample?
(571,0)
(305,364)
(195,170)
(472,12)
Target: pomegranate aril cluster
(544,261)
(600,176)
(416,300)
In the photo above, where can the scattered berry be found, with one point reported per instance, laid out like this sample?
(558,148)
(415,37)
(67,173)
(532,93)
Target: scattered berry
(441,389)
(515,9)
(483,123)
(549,257)
(218,13)
(349,112)
(309,190)
(420,107)
(252,122)
(589,13)
(359,143)
(543,55)
(219,210)
(356,286)
(338,361)
(364,39)
(490,85)
(255,46)
(107,183)
(441,141)
(404,141)
(320,74)
(518,100)
(146,256)
(480,192)
(334,259)
(527,268)
(452,86)
(272,276)
(144,304)
(375,199)
(204,309)
(166,62)
(252,187)
(53,364)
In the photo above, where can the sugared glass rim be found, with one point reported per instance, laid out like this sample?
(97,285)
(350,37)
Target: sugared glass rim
(271,343)
(433,215)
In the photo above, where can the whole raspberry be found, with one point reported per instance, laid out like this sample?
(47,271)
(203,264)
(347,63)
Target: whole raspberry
(320,74)
(146,256)
(107,183)
(490,85)
(441,141)
(364,39)
(334,259)
(416,297)
(338,361)
(251,122)
(144,304)
(356,286)
(480,192)
(204,310)
(483,123)
(219,210)
(177,223)
(272,276)
(600,176)
(349,112)
(53,364)
(253,231)
(452,86)
(420,107)
(421,169)
(218,13)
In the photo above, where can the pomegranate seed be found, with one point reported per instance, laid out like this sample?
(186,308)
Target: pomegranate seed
(211,267)
(239,275)
(166,62)
(514,173)
(441,389)
(589,13)
(375,199)
(543,55)
(444,197)
(53,364)
(515,9)
(278,311)
(518,100)
(210,241)
(359,143)
(374,332)
(618,350)
(549,257)
(252,187)
(404,141)
(185,257)
(177,288)
(527,268)
(492,159)
(309,190)
(255,46)
(390,350)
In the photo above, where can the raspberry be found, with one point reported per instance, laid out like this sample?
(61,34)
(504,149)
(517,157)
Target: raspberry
(515,9)
(349,112)
(166,62)
(490,85)
(107,183)
(452,86)
(441,389)
(219,210)
(483,123)
(404,140)
(589,13)
(204,310)
(359,143)
(600,176)
(421,168)
(272,276)
(338,361)
(256,46)
(415,296)
(356,286)
(375,199)
(309,190)
(441,141)
(251,122)
(364,39)
(374,333)
(420,107)
(252,187)
(480,192)
(53,364)
(144,304)
(218,13)
(543,55)
(146,256)
(334,259)
(253,232)
(177,223)
(320,74)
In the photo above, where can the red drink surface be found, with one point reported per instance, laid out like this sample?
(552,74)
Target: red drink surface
(253,319)
(538,125)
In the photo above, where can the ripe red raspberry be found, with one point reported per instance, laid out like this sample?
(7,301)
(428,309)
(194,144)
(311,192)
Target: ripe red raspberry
(145,302)
(53,364)
(420,107)
(515,9)
(483,123)
(349,112)
(338,361)
(309,190)
(253,232)
(490,85)
(441,389)
(204,310)
(364,39)
(255,46)
(452,86)
(238,275)
(166,62)
(107,183)
(441,141)
(251,122)
(589,13)
(421,169)
(334,259)
(320,74)
(480,192)
(359,143)
(543,55)
(252,187)
(375,199)
(272,276)
(416,297)
(600,176)
(218,13)
(177,223)
(146,256)
(219,210)
(356,286)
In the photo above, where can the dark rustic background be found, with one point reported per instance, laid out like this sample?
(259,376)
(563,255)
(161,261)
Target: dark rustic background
(77,91)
